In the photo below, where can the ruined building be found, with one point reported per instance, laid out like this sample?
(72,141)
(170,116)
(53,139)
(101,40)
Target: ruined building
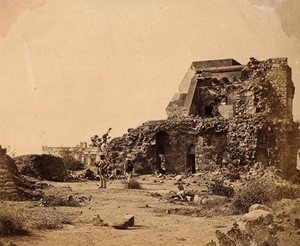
(224,114)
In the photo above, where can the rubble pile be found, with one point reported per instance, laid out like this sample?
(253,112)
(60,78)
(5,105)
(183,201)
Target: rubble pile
(69,201)
(45,167)
(72,164)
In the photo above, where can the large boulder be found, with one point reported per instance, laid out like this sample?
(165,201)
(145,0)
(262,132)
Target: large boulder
(124,223)
(130,219)
(212,201)
(260,207)
(259,216)
(46,167)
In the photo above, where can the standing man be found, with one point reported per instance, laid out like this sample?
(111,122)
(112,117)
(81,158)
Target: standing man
(162,163)
(128,169)
(103,167)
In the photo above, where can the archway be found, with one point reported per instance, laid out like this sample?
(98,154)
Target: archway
(191,159)
(162,148)
(262,156)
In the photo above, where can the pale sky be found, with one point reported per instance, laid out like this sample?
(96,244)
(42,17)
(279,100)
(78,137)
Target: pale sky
(73,68)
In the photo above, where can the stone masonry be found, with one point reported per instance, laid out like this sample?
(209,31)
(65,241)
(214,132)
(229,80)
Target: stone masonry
(8,190)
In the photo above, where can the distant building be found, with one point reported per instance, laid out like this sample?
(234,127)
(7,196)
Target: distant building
(83,153)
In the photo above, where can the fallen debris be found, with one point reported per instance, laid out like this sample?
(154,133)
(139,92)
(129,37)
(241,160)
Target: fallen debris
(97,221)
(124,223)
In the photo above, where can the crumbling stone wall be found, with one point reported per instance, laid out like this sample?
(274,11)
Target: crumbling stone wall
(238,141)
(265,87)
(140,145)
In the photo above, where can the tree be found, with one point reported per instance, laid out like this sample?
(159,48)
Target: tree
(11,152)
(101,142)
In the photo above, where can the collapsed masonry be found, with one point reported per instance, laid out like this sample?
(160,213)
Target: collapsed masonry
(225,114)
(8,171)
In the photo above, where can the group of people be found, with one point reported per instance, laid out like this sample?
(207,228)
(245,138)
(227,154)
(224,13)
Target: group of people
(103,169)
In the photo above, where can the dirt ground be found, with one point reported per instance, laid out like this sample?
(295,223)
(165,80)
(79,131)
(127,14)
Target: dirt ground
(155,223)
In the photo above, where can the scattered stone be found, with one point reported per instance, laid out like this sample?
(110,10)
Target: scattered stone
(97,221)
(189,198)
(160,175)
(4,242)
(197,200)
(178,178)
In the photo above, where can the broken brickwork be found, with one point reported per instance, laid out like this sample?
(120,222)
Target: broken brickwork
(225,114)
(8,169)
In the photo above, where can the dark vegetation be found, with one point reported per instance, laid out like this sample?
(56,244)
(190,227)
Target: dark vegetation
(218,188)
(12,224)
(252,235)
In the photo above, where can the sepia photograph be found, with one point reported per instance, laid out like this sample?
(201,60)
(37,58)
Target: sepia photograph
(149,122)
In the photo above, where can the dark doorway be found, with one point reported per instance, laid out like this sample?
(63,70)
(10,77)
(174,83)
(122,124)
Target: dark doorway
(208,111)
(262,156)
(191,159)
(162,148)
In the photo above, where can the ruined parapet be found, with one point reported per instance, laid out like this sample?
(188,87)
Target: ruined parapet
(8,189)
(226,88)
(182,103)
